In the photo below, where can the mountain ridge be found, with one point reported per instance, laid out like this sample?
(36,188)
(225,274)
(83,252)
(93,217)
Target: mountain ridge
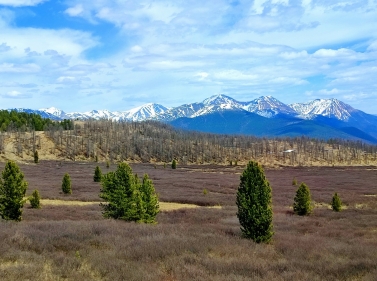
(325,115)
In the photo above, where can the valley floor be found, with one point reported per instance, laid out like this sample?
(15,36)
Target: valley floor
(68,239)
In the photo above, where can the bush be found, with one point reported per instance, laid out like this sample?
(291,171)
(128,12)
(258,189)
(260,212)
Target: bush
(302,201)
(12,192)
(127,198)
(336,203)
(66,184)
(174,164)
(294,181)
(254,204)
(97,174)
(35,200)
(107,164)
(36,157)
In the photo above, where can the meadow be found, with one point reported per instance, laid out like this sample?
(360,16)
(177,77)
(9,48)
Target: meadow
(68,239)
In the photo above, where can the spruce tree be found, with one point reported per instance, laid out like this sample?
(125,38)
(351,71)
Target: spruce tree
(254,204)
(302,201)
(35,200)
(336,203)
(174,164)
(119,190)
(127,198)
(12,191)
(36,157)
(66,184)
(149,200)
(97,174)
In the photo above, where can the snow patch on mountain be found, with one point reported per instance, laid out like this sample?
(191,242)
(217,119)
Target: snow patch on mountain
(331,108)
(268,107)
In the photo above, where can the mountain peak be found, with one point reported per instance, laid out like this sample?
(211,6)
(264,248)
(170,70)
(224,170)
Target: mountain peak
(220,99)
(268,106)
(332,108)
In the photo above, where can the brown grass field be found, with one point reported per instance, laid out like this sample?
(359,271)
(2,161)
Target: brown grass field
(69,240)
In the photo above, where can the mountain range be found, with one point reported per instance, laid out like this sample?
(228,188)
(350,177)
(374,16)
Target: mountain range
(264,116)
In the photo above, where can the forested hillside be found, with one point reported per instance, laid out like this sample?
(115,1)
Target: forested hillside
(158,142)
(13,121)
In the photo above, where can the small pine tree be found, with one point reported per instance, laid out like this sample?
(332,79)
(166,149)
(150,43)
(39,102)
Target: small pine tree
(66,184)
(107,164)
(174,164)
(302,201)
(97,174)
(336,203)
(35,200)
(119,192)
(149,200)
(254,204)
(12,192)
(294,181)
(36,157)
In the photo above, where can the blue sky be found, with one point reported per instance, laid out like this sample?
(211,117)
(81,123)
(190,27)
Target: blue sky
(116,55)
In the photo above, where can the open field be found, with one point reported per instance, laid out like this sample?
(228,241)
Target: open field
(69,240)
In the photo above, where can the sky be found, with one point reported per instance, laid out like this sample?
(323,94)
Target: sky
(120,54)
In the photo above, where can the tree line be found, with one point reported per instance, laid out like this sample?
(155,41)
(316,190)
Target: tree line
(12,120)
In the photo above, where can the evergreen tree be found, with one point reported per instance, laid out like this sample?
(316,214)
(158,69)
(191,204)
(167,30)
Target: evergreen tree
(107,164)
(127,198)
(174,164)
(35,200)
(36,157)
(66,184)
(302,200)
(149,200)
(12,192)
(336,203)
(119,190)
(97,174)
(254,204)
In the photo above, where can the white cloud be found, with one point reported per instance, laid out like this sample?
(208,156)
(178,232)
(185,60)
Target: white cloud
(19,68)
(75,10)
(16,95)
(19,3)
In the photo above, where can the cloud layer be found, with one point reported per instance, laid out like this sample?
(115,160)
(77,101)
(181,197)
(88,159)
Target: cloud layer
(120,54)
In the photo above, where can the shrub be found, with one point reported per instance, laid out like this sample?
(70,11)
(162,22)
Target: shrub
(302,201)
(66,184)
(107,164)
(36,157)
(254,204)
(294,181)
(97,174)
(336,203)
(127,198)
(174,164)
(205,191)
(35,200)
(12,192)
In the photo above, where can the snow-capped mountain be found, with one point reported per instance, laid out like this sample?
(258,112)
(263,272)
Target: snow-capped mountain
(144,112)
(55,112)
(268,107)
(331,108)
(224,113)
(140,113)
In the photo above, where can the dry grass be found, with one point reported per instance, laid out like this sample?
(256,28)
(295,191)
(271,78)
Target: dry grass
(164,206)
(71,242)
